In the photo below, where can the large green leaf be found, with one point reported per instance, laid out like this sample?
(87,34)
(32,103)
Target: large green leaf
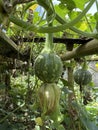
(61,8)
(5,126)
(90,125)
(72,4)
(73,14)
(96,16)
(69,3)
(80,4)
(84,117)
(2,85)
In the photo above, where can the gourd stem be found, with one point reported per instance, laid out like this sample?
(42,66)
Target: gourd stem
(84,64)
(49,41)
(49,36)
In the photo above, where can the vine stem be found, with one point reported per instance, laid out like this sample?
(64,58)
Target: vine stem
(81,15)
(90,27)
(65,25)
(62,21)
(49,41)
(11,112)
(30,27)
(97,5)
(49,36)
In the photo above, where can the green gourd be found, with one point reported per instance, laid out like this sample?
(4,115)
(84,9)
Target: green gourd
(82,77)
(49,96)
(48,66)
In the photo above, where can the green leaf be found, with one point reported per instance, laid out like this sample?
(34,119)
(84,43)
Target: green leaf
(65,82)
(61,127)
(82,25)
(96,16)
(80,4)
(2,85)
(90,125)
(70,4)
(5,126)
(73,14)
(61,8)
(84,117)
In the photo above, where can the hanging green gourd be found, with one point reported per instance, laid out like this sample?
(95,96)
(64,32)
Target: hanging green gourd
(48,66)
(49,95)
(82,76)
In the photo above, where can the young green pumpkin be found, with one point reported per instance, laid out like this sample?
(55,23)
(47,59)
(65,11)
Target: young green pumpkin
(82,76)
(48,66)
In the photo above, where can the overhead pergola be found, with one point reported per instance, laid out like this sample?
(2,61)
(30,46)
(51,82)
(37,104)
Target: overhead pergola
(9,48)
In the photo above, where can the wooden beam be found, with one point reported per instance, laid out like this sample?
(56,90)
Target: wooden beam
(7,47)
(55,40)
(6,43)
(83,50)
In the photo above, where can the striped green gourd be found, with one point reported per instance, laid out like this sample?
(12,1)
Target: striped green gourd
(82,76)
(48,66)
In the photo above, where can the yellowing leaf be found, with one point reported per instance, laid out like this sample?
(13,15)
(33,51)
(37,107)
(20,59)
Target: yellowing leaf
(33,7)
(96,65)
(39,121)
(83,26)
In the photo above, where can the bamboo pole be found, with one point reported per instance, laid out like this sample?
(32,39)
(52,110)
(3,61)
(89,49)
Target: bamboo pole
(89,48)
